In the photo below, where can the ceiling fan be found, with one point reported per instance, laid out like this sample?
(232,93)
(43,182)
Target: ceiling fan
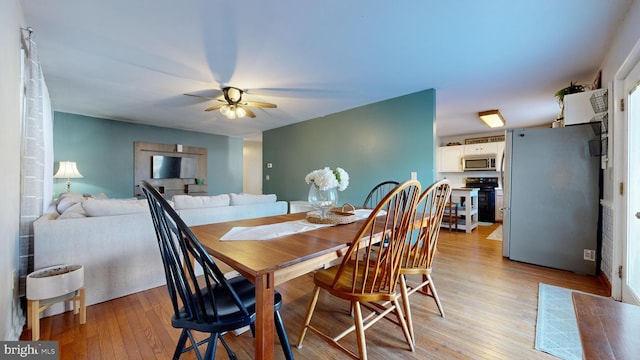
(232,105)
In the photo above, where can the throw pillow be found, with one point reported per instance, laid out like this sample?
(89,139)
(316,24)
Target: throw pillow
(247,199)
(74,212)
(67,200)
(101,196)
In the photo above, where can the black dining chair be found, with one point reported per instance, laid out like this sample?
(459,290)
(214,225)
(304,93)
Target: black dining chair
(378,192)
(207,303)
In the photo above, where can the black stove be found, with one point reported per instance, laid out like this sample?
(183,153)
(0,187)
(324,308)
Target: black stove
(486,196)
(481,182)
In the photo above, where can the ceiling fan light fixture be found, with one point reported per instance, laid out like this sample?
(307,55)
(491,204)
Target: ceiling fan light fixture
(232,105)
(234,94)
(240,112)
(233,111)
(492,118)
(231,114)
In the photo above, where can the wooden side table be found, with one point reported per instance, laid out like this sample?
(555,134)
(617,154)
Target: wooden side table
(51,285)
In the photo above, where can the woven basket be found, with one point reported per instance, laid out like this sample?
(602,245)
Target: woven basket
(334,216)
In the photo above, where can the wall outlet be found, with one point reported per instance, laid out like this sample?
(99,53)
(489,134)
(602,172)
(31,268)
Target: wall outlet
(267,178)
(589,255)
(414,175)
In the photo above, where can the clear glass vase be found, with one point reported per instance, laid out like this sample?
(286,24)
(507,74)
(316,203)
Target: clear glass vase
(323,200)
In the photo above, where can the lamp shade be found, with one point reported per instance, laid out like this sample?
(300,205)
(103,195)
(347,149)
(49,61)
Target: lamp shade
(68,170)
(493,118)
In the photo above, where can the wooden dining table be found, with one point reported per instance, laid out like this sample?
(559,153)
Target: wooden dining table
(268,263)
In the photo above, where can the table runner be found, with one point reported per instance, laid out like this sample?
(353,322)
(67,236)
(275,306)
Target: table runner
(271,231)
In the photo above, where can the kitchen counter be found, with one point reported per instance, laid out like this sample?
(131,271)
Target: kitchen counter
(467,200)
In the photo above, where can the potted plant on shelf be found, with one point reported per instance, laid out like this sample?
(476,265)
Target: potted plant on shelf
(560,94)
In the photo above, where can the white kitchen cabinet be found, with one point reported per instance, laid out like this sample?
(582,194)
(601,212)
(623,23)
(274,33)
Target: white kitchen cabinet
(481,149)
(583,107)
(467,200)
(499,204)
(450,159)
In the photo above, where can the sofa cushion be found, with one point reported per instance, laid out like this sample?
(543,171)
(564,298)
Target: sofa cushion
(113,207)
(195,202)
(248,199)
(193,217)
(74,212)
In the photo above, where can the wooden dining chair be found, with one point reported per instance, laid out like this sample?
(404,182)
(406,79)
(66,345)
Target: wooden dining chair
(378,192)
(208,303)
(369,274)
(451,214)
(420,252)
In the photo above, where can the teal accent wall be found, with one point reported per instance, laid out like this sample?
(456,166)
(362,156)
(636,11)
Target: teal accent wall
(103,151)
(386,140)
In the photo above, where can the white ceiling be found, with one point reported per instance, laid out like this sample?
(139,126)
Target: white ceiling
(133,60)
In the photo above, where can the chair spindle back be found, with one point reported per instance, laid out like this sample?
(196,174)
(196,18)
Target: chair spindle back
(431,206)
(376,268)
(180,251)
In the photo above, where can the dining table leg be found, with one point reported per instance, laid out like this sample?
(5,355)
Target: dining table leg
(265,288)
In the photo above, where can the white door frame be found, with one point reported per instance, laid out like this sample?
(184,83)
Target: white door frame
(620,165)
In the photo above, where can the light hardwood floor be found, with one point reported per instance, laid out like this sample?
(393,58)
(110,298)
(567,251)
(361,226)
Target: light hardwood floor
(490,305)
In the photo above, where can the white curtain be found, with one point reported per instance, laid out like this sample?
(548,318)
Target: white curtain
(37,156)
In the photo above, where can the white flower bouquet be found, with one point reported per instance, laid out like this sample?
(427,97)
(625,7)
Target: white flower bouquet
(326,178)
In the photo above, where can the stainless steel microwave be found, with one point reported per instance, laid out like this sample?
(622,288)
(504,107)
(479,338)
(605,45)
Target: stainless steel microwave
(479,162)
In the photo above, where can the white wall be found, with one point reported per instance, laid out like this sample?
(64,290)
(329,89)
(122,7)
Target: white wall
(11,19)
(252,167)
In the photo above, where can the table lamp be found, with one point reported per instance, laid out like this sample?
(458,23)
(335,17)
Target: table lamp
(68,169)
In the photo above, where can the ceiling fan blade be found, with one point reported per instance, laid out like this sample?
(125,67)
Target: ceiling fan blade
(306,93)
(200,96)
(250,113)
(260,104)
(214,107)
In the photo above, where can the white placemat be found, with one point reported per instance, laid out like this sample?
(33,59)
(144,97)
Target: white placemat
(271,231)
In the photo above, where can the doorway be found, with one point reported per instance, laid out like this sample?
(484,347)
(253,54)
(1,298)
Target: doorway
(631,247)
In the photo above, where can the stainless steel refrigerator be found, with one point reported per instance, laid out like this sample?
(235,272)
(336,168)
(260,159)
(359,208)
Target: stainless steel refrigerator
(551,198)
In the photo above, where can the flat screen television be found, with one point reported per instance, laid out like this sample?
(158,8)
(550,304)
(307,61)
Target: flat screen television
(173,167)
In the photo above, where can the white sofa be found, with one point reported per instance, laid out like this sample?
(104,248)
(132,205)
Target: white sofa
(115,240)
